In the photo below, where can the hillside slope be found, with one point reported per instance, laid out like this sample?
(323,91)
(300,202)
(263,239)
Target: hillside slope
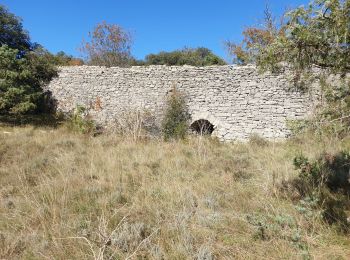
(68,196)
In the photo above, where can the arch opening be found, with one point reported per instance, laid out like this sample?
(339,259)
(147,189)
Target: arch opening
(202,127)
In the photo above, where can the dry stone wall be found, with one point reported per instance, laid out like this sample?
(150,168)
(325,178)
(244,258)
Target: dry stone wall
(237,100)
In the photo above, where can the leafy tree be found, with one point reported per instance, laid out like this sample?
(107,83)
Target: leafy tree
(59,59)
(314,35)
(63,59)
(21,81)
(12,32)
(108,45)
(254,40)
(309,37)
(23,68)
(187,56)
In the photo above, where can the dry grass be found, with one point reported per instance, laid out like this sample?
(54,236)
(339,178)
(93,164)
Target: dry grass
(67,196)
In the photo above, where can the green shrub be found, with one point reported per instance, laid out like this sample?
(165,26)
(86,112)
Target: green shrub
(80,123)
(327,181)
(175,121)
(330,171)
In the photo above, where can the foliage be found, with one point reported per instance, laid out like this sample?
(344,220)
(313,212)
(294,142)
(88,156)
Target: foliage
(63,59)
(254,40)
(175,121)
(21,81)
(108,45)
(337,112)
(59,59)
(327,181)
(196,57)
(314,35)
(331,171)
(79,121)
(307,36)
(12,32)
(312,43)
(24,69)
(297,126)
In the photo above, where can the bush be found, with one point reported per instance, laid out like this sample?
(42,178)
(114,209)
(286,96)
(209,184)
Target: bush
(327,180)
(330,171)
(79,122)
(175,122)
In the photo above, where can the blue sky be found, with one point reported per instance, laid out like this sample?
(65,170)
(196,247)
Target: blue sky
(156,24)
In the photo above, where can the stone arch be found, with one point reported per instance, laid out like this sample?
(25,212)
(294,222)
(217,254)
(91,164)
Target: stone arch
(202,127)
(204,119)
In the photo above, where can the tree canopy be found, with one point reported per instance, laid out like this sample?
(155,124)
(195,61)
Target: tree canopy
(24,68)
(108,45)
(318,34)
(255,39)
(196,57)
(313,36)
(21,81)
(58,59)
(12,32)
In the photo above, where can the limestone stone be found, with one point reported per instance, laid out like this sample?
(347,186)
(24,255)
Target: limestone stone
(237,100)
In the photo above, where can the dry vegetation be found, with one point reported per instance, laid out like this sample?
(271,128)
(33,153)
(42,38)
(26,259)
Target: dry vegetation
(69,196)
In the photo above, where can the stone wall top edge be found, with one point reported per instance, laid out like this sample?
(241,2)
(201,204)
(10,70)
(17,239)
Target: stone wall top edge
(238,67)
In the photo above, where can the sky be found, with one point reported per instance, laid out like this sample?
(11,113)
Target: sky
(156,25)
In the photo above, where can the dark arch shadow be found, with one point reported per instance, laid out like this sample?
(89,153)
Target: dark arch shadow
(202,127)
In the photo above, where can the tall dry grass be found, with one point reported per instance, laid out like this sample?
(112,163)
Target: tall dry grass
(69,196)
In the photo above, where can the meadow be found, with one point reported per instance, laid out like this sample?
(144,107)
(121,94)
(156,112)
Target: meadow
(65,195)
